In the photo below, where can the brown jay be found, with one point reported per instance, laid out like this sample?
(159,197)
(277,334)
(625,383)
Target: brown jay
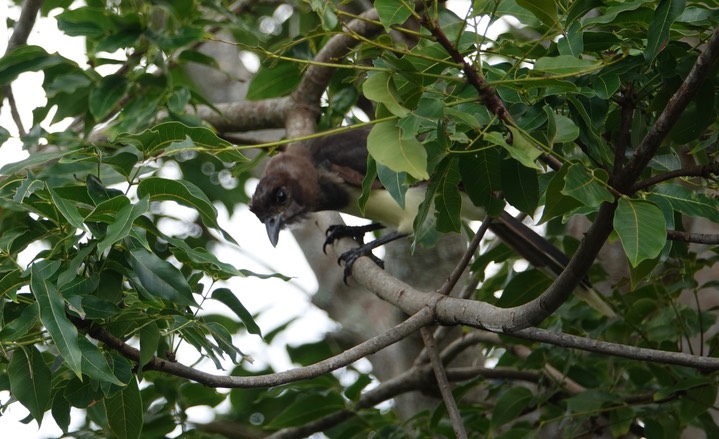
(326,173)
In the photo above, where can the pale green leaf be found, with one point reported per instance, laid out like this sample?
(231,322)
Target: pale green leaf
(392,12)
(566,65)
(388,147)
(380,87)
(641,228)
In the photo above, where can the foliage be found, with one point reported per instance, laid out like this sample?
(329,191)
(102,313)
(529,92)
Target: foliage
(552,114)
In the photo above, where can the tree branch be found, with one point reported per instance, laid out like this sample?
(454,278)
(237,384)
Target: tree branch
(701,70)
(371,346)
(697,238)
(443,382)
(705,171)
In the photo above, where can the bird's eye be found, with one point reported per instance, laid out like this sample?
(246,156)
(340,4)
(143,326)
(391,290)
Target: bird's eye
(281,196)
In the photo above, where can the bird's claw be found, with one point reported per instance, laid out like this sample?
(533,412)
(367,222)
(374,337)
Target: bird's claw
(339,231)
(349,258)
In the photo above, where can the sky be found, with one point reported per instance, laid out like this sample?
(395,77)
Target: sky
(278,302)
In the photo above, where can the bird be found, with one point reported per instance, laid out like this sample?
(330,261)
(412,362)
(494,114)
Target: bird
(326,174)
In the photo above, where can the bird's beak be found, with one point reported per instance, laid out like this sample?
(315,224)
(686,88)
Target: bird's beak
(274,224)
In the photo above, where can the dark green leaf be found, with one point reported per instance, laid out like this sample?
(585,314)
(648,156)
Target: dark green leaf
(53,317)
(510,405)
(30,381)
(664,16)
(308,407)
(520,186)
(159,279)
(125,412)
(271,81)
(149,341)
(94,363)
(104,98)
(229,299)
(122,223)
(25,59)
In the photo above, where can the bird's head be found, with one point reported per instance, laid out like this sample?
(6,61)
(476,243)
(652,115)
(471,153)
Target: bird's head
(285,194)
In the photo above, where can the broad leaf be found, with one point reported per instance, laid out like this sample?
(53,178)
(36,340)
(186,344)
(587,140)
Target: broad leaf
(566,65)
(380,87)
(641,228)
(125,412)
(589,188)
(389,147)
(664,16)
(510,405)
(391,12)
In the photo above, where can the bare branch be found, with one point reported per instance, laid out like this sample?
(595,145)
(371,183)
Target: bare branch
(705,171)
(371,346)
(697,238)
(443,382)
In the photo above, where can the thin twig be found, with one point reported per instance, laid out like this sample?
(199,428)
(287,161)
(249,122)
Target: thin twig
(371,346)
(441,374)
(705,171)
(456,274)
(696,238)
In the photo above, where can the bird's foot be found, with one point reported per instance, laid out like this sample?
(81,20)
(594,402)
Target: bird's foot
(357,233)
(349,257)
(340,231)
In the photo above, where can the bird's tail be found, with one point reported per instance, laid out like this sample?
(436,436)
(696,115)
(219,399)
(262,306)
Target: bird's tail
(543,255)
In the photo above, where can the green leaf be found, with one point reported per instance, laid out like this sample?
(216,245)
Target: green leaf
(122,224)
(149,341)
(521,149)
(273,80)
(16,328)
(125,412)
(379,87)
(94,364)
(158,278)
(67,209)
(520,185)
(481,175)
(641,228)
(107,95)
(510,405)
(368,183)
(11,282)
(30,380)
(544,10)
(391,12)
(394,182)
(448,201)
(558,204)
(388,147)
(590,188)
(33,160)
(229,299)
(185,193)
(26,59)
(566,65)
(173,137)
(687,202)
(606,85)
(523,287)
(658,34)
(53,317)
(308,407)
